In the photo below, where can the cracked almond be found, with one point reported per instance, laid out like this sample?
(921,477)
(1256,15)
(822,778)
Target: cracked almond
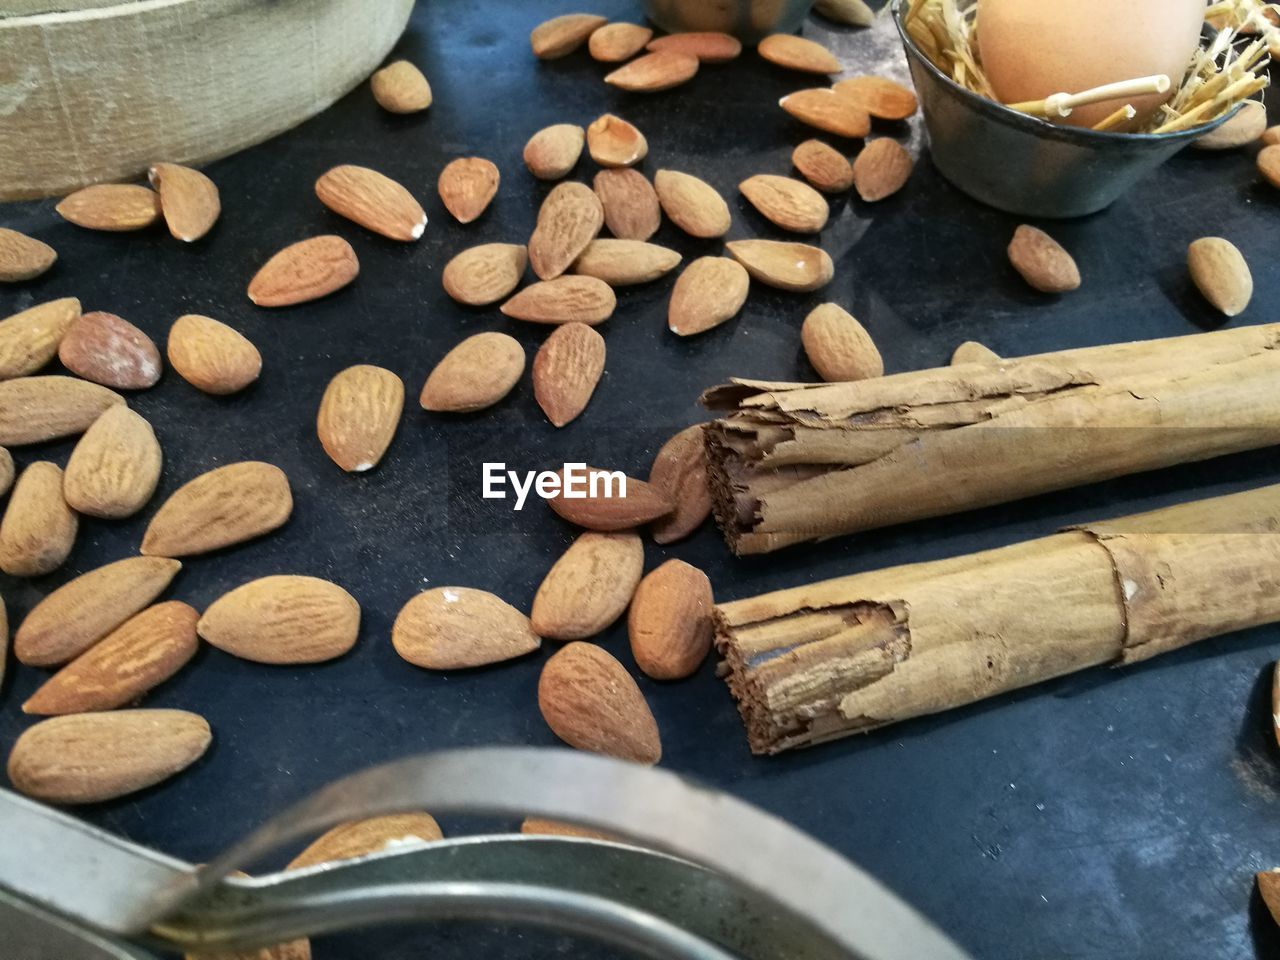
(110,350)
(838,346)
(613,142)
(621,263)
(36,409)
(553,151)
(631,208)
(588,588)
(881,169)
(692,204)
(710,291)
(570,218)
(670,623)
(560,36)
(467,186)
(797,53)
(570,299)
(1042,261)
(115,466)
(475,374)
(879,96)
(1221,274)
(373,200)
(306,270)
(787,203)
(654,72)
(616,42)
(680,472)
(189,201)
(23,257)
(566,370)
(38,529)
(112,207)
(823,166)
(485,274)
(359,414)
(827,110)
(797,267)
(590,702)
(283,619)
(29,339)
(220,508)
(400,87)
(211,356)
(457,628)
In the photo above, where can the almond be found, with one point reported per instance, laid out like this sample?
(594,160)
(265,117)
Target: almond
(485,274)
(707,46)
(787,266)
(29,339)
(138,656)
(455,628)
(373,200)
(553,151)
(359,838)
(475,374)
(621,263)
(670,621)
(92,757)
(590,702)
(283,619)
(797,53)
(1269,890)
(589,587)
(594,500)
(838,346)
(23,257)
(560,36)
(358,417)
(220,508)
(306,270)
(566,370)
(1270,137)
(879,96)
(692,204)
(679,472)
(881,169)
(569,219)
(6,474)
(616,42)
(613,142)
(710,291)
(631,210)
(189,200)
(973,352)
(853,13)
(82,611)
(1248,124)
(1269,164)
(111,351)
(1220,272)
(654,72)
(36,409)
(556,828)
(1042,261)
(787,203)
(573,299)
(827,110)
(211,356)
(400,87)
(111,206)
(823,166)
(467,185)
(115,466)
(39,529)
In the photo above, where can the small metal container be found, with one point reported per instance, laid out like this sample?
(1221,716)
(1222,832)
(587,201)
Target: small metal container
(748,20)
(1025,165)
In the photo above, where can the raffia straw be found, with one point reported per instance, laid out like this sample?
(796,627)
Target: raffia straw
(1123,115)
(1062,104)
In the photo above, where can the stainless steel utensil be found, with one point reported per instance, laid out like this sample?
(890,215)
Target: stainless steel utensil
(748,20)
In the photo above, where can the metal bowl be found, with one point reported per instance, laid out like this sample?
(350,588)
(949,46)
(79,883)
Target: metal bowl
(748,20)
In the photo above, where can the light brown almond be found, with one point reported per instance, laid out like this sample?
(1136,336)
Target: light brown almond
(400,87)
(827,110)
(707,46)
(557,828)
(572,299)
(589,587)
(631,209)
(787,266)
(1042,261)
(797,53)
(485,274)
(838,346)
(112,207)
(569,219)
(560,36)
(670,621)
(359,838)
(110,350)
(879,96)
(1269,890)
(358,417)
(38,529)
(615,42)
(467,185)
(82,611)
(6,472)
(881,169)
(455,628)
(189,200)
(852,13)
(136,657)
(1248,124)
(115,466)
(614,142)
(306,270)
(592,497)
(590,702)
(654,72)
(23,257)
(553,151)
(1269,164)
(1270,137)
(475,374)
(566,370)
(621,263)
(692,204)
(710,291)
(29,339)
(283,619)
(373,200)
(36,409)
(211,356)
(787,203)
(823,166)
(222,507)
(1220,272)
(679,472)
(973,352)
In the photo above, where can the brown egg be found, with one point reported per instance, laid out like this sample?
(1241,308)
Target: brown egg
(1034,48)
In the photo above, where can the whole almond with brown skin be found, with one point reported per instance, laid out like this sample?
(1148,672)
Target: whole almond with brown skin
(455,628)
(1269,163)
(38,529)
(283,619)
(82,611)
(853,13)
(823,166)
(827,110)
(881,169)
(359,838)
(692,204)
(707,46)
(110,350)
(560,36)
(467,185)
(6,471)
(614,142)
(211,356)
(973,352)
(572,299)
(23,257)
(838,346)
(400,87)
(589,587)
(29,339)
(92,757)
(115,466)
(485,274)
(138,656)
(654,72)
(615,42)
(590,702)
(787,266)
(670,621)
(569,219)
(219,508)
(553,151)
(1269,890)
(566,370)
(593,498)
(189,200)
(36,409)
(879,96)
(787,203)
(621,263)
(631,210)
(111,206)
(373,200)
(680,472)
(1042,261)
(475,374)
(710,291)
(358,417)
(797,53)
(306,270)
(1220,272)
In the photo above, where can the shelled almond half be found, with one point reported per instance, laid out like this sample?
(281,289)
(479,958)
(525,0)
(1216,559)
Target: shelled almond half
(283,619)
(358,416)
(220,508)
(788,266)
(614,142)
(566,370)
(373,200)
(590,702)
(30,338)
(212,356)
(38,529)
(455,628)
(589,587)
(115,466)
(189,200)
